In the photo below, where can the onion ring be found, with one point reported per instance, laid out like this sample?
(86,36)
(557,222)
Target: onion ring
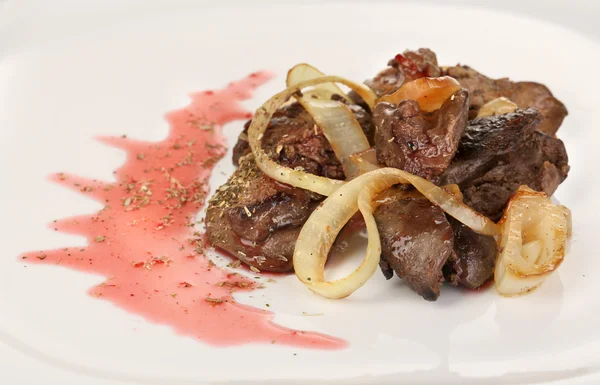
(341,129)
(260,122)
(304,71)
(338,123)
(532,243)
(430,93)
(498,106)
(364,161)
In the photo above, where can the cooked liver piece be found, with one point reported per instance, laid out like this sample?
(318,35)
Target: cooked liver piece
(418,142)
(472,262)
(498,154)
(416,241)
(257,219)
(525,94)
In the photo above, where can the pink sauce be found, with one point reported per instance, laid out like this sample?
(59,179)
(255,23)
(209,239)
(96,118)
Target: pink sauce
(144,240)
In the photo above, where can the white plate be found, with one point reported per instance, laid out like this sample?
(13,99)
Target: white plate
(125,67)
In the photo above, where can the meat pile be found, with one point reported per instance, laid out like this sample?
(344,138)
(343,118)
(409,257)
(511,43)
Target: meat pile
(257,219)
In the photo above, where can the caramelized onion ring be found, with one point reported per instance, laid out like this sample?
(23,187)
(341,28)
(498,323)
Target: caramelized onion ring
(532,243)
(304,71)
(260,122)
(430,93)
(498,106)
(324,224)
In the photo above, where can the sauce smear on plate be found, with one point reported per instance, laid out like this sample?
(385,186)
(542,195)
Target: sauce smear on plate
(146,241)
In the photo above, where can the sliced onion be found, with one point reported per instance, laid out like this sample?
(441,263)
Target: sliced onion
(260,122)
(303,72)
(452,204)
(395,194)
(454,190)
(341,129)
(532,242)
(324,224)
(318,234)
(338,123)
(363,162)
(430,93)
(532,250)
(498,106)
